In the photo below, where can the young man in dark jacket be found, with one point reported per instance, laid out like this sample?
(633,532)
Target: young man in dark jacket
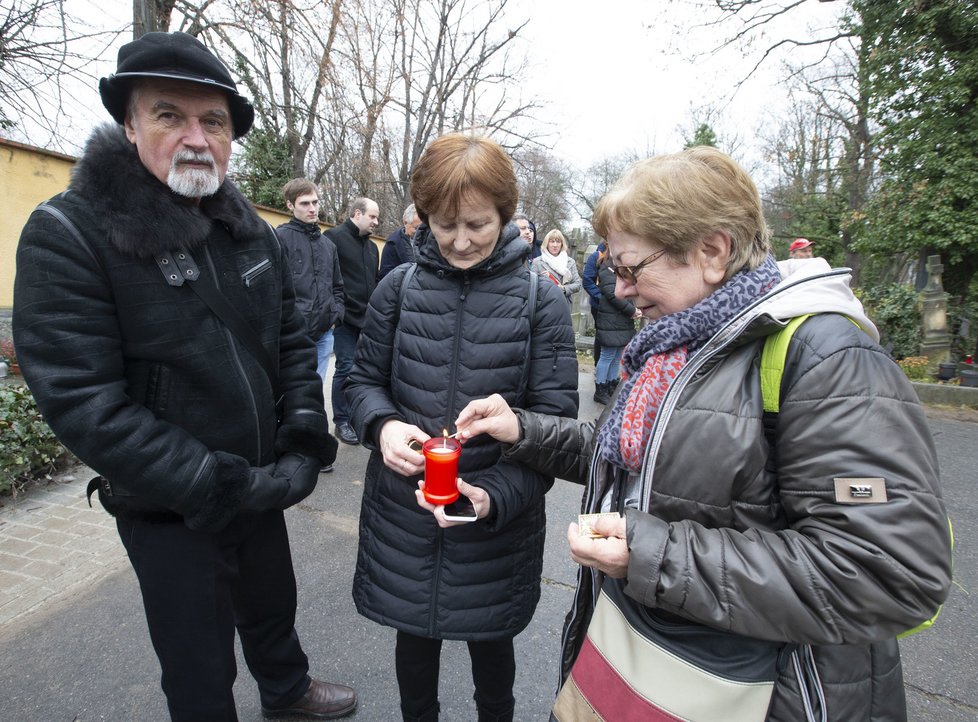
(146,384)
(359,261)
(315,268)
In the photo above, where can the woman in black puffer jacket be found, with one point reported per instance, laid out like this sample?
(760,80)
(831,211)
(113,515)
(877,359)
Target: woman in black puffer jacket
(453,328)
(614,327)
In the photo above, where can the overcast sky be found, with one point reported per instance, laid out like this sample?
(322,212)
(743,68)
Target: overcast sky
(619,75)
(613,76)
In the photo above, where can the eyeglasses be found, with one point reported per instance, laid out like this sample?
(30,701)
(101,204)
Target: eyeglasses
(629,274)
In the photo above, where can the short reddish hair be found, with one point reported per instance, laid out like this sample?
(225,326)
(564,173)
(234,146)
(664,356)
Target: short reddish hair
(455,165)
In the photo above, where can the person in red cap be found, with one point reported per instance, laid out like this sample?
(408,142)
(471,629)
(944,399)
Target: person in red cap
(157,325)
(801,248)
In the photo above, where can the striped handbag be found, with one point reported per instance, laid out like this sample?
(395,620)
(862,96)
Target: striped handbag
(635,665)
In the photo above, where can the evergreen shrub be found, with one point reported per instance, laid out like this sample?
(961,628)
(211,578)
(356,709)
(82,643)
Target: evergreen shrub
(28,447)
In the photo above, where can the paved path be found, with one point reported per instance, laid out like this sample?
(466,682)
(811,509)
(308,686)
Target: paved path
(53,545)
(73,642)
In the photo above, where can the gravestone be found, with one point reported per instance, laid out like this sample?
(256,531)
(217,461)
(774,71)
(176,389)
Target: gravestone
(936,344)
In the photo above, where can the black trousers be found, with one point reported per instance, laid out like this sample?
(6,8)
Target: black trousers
(597,347)
(417,660)
(197,588)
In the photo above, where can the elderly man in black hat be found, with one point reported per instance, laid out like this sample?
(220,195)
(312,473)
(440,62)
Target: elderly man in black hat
(155,320)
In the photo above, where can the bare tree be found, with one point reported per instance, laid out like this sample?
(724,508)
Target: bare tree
(356,89)
(41,48)
(597,180)
(544,186)
(150,16)
(827,63)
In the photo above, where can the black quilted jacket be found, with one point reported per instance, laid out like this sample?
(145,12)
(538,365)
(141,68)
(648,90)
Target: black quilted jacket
(457,336)
(135,374)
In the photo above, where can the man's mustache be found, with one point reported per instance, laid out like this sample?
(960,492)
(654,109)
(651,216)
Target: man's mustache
(189,156)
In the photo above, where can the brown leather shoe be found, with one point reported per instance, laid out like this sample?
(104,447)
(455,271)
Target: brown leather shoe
(322,700)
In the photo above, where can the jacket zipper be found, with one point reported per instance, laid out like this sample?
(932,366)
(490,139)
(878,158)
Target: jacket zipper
(255,271)
(720,340)
(440,534)
(439,538)
(250,393)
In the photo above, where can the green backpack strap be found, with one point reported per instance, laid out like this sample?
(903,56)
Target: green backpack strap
(772,363)
(772,369)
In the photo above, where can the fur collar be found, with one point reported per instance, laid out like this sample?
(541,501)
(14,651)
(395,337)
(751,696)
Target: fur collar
(141,216)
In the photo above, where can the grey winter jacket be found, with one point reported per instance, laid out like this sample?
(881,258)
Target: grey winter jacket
(719,539)
(458,335)
(316,275)
(133,372)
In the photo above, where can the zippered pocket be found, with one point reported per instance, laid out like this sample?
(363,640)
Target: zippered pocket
(255,271)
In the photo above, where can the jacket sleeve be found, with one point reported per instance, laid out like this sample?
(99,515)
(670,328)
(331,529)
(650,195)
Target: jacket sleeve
(367,387)
(552,382)
(589,279)
(837,572)
(574,285)
(554,445)
(339,294)
(551,390)
(388,258)
(625,308)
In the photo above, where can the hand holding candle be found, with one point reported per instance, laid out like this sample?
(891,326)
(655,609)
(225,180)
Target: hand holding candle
(441,469)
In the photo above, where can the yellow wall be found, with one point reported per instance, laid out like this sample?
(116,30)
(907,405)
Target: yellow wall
(29,176)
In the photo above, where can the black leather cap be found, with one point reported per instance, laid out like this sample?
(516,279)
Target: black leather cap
(178,56)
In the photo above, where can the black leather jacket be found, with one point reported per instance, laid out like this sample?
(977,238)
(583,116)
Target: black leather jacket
(134,373)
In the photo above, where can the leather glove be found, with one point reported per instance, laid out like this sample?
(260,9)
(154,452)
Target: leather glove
(301,472)
(263,490)
(280,485)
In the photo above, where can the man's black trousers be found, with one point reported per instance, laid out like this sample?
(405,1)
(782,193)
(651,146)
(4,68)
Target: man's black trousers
(197,588)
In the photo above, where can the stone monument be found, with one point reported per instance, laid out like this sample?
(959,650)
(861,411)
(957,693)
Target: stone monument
(936,344)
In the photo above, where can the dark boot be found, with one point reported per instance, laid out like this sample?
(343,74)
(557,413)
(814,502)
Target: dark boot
(602,393)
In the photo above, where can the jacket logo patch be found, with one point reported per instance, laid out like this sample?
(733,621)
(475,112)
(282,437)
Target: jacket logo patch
(860,490)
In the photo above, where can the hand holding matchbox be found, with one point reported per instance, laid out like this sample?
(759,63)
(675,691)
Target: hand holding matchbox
(585,523)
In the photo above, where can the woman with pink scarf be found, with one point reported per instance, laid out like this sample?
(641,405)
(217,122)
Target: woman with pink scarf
(814,535)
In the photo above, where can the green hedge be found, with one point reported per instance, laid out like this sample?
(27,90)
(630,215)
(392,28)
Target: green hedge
(28,447)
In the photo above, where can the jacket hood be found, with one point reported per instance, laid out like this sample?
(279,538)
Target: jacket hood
(510,251)
(811,285)
(140,215)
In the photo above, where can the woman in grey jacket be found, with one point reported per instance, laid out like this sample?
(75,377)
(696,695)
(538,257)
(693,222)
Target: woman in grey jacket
(453,328)
(827,534)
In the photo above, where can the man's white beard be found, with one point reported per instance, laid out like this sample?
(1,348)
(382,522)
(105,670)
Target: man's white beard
(193,182)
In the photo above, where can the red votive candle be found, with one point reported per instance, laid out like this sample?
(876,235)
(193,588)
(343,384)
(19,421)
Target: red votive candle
(440,469)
